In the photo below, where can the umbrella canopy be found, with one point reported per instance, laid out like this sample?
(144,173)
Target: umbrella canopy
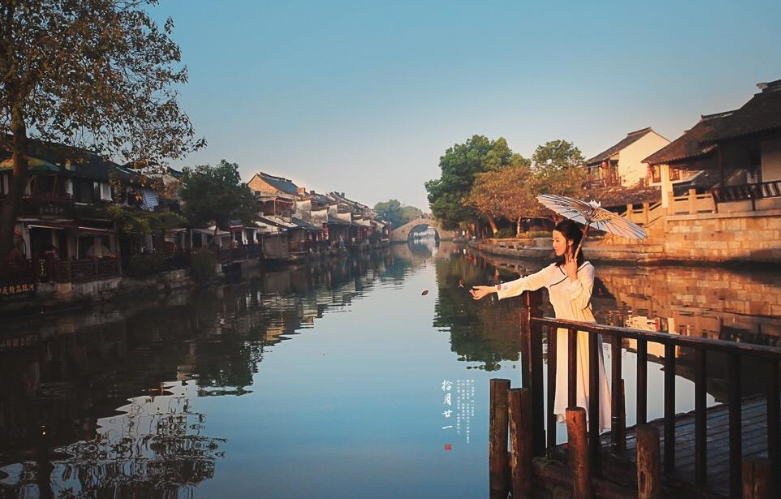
(35,165)
(591,214)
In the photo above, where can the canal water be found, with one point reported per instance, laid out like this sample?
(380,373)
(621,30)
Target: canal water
(361,377)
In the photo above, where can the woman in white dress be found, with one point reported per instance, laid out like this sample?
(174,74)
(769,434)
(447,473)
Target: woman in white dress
(570,282)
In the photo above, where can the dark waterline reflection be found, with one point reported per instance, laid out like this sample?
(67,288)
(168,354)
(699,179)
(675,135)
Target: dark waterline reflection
(315,380)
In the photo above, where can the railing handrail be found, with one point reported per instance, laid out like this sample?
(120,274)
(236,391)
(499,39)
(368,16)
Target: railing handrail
(763,351)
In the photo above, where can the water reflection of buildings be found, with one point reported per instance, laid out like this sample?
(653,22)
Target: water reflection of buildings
(709,302)
(69,375)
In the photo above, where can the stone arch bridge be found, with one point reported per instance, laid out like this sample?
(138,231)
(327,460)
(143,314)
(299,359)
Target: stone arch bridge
(401,234)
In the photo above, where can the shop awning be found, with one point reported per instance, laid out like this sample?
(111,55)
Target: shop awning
(95,231)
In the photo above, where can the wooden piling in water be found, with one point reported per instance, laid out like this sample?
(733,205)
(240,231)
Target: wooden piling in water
(521,444)
(579,459)
(758,478)
(649,467)
(497,451)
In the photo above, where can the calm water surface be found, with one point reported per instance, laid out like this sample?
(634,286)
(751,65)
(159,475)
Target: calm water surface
(322,381)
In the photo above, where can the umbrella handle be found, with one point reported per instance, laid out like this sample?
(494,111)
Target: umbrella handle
(585,233)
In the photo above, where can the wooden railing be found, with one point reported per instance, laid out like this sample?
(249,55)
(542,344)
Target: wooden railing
(532,327)
(649,212)
(692,203)
(48,204)
(747,192)
(86,270)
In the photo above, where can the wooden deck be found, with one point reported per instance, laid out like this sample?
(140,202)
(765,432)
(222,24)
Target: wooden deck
(619,466)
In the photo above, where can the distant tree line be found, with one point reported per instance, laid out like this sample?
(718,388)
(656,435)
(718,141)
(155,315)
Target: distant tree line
(396,213)
(484,179)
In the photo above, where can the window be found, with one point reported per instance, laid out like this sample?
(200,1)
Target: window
(105,191)
(656,173)
(675,174)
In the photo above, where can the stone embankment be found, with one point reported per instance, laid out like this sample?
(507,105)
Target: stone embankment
(56,295)
(702,238)
(540,248)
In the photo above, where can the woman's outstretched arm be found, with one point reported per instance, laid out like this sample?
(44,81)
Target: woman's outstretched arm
(513,288)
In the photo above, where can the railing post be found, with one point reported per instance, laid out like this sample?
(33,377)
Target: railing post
(552,375)
(521,443)
(735,413)
(669,407)
(773,424)
(617,441)
(579,459)
(497,456)
(758,478)
(594,401)
(531,338)
(692,201)
(642,382)
(646,213)
(700,418)
(649,468)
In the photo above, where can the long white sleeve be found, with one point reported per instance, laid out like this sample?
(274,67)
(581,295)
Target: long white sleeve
(530,282)
(581,289)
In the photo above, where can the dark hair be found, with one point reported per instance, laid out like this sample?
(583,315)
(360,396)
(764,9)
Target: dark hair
(571,232)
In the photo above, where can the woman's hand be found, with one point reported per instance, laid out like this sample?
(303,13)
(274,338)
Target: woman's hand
(480,292)
(570,266)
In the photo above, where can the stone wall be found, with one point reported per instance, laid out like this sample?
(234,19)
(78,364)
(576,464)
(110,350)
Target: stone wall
(724,237)
(53,294)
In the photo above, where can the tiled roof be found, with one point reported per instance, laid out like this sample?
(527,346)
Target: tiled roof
(306,225)
(621,196)
(281,184)
(761,113)
(690,144)
(337,221)
(85,164)
(630,139)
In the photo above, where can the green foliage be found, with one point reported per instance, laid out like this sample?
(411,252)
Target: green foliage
(131,221)
(100,75)
(504,233)
(557,167)
(204,266)
(217,194)
(395,213)
(144,265)
(461,164)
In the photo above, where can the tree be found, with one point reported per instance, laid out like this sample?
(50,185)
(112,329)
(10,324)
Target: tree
(509,192)
(217,194)
(93,74)
(449,195)
(558,168)
(390,211)
(410,213)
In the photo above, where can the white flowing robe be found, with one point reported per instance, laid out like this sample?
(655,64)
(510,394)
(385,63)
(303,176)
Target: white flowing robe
(571,300)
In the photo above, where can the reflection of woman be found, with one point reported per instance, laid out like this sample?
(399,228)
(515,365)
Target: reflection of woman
(569,282)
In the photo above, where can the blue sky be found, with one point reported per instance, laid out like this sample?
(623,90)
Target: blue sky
(365,96)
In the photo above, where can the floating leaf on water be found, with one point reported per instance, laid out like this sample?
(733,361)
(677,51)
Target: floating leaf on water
(425,292)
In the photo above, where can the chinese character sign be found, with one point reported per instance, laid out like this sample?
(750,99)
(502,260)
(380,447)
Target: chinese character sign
(458,407)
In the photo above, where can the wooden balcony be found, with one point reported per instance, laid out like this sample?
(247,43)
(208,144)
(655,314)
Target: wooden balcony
(53,205)
(747,192)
